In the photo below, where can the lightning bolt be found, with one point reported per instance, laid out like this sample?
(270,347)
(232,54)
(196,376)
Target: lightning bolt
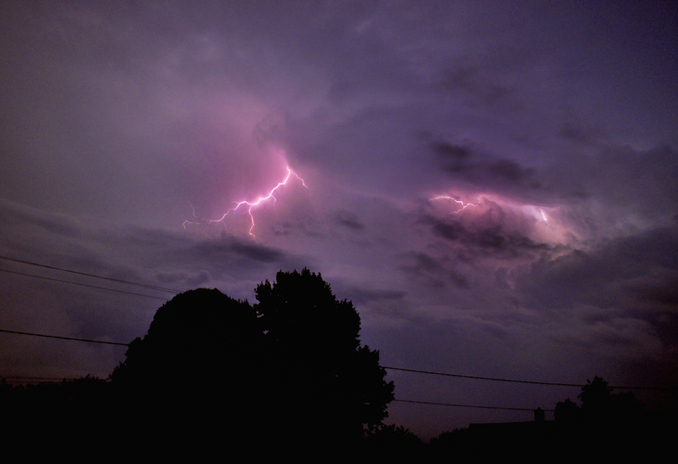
(464,205)
(248,205)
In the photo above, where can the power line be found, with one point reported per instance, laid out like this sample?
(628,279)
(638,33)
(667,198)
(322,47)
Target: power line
(82,285)
(63,338)
(171,290)
(416,371)
(127,344)
(533,382)
(148,286)
(22,378)
(430,403)
(475,377)
(466,405)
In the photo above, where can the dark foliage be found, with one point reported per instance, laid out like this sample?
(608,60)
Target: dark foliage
(600,407)
(286,377)
(393,443)
(47,420)
(610,425)
(567,412)
(286,374)
(452,443)
(199,368)
(321,373)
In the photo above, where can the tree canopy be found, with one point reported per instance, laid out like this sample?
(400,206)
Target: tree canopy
(290,367)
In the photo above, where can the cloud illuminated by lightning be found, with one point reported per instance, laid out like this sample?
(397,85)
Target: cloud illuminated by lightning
(464,205)
(248,204)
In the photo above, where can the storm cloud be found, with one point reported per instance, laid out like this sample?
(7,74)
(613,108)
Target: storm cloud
(493,185)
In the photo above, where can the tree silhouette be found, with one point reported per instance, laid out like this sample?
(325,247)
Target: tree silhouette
(199,334)
(608,426)
(567,412)
(596,399)
(393,443)
(197,375)
(288,372)
(599,406)
(322,373)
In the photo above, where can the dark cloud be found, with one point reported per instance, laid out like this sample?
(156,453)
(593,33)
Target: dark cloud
(621,173)
(434,272)
(482,170)
(451,152)
(180,277)
(631,277)
(226,246)
(364,294)
(491,240)
(578,134)
(554,127)
(349,220)
(474,82)
(512,172)
(662,293)
(12,214)
(149,255)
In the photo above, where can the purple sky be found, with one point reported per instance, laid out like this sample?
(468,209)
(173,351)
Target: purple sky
(556,123)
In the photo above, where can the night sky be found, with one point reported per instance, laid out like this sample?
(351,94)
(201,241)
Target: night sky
(493,184)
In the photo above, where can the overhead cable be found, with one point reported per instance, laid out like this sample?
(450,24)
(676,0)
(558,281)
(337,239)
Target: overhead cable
(96,276)
(63,338)
(82,285)
(466,405)
(533,382)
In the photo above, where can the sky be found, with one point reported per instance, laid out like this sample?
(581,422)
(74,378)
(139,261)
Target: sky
(492,184)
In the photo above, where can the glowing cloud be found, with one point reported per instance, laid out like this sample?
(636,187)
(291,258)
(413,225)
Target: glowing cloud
(464,205)
(249,205)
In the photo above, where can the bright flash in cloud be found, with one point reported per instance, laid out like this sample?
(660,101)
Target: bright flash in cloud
(247,205)
(463,204)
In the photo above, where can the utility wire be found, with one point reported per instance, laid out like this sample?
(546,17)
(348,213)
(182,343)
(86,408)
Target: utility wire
(171,290)
(466,405)
(21,378)
(82,285)
(475,377)
(148,286)
(445,374)
(63,338)
(430,403)
(154,287)
(494,379)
